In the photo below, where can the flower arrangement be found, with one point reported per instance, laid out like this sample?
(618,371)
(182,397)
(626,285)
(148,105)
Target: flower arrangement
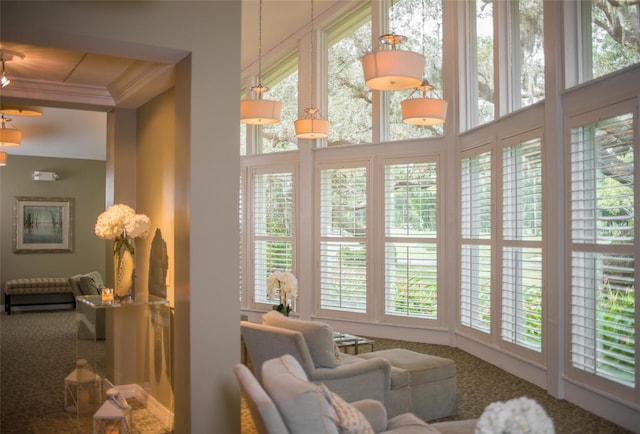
(121,224)
(286,285)
(517,416)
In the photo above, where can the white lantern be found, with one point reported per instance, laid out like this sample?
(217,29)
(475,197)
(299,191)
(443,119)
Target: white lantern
(113,416)
(82,389)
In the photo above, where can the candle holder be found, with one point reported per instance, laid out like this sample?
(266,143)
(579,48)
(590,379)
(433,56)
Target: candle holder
(107,295)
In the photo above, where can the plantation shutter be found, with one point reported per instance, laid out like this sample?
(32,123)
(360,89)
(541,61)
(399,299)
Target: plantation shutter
(343,239)
(475,255)
(602,320)
(411,253)
(273,228)
(522,245)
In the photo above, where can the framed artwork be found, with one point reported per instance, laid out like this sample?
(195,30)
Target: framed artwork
(43,225)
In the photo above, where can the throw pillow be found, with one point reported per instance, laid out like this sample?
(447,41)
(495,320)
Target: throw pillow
(318,336)
(349,419)
(89,286)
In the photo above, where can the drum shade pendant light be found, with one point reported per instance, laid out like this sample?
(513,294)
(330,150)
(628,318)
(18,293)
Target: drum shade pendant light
(424,111)
(9,136)
(392,69)
(311,125)
(3,158)
(260,111)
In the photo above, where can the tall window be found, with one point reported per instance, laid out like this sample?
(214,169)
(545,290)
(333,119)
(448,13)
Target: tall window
(527,62)
(411,230)
(349,111)
(343,239)
(475,267)
(282,136)
(273,227)
(613,37)
(522,245)
(602,221)
(421,22)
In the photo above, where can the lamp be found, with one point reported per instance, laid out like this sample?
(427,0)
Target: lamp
(260,111)
(3,158)
(311,125)
(4,81)
(15,110)
(424,111)
(82,389)
(9,136)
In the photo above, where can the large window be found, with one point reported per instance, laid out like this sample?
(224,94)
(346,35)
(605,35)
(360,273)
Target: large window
(602,219)
(522,245)
(350,110)
(273,228)
(475,259)
(411,230)
(343,239)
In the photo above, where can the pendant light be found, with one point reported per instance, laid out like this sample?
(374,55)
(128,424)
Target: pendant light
(3,158)
(4,81)
(390,68)
(424,111)
(260,111)
(311,125)
(7,56)
(9,136)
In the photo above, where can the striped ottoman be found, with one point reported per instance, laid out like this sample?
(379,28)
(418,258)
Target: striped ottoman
(35,286)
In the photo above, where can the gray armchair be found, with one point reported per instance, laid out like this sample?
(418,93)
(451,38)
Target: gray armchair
(352,381)
(289,404)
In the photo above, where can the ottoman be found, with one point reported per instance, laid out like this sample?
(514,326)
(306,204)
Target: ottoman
(431,382)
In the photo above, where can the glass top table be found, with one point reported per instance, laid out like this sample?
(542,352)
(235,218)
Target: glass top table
(344,341)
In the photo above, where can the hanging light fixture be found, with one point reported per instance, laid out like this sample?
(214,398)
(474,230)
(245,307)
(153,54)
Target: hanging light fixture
(3,158)
(260,111)
(9,136)
(311,125)
(19,110)
(4,81)
(424,111)
(390,68)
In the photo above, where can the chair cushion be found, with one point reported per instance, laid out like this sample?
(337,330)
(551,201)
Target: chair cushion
(348,418)
(74,283)
(409,423)
(302,404)
(318,336)
(91,283)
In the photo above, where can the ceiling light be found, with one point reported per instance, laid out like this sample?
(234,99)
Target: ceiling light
(7,56)
(392,69)
(15,110)
(424,111)
(311,125)
(260,111)
(3,158)
(9,136)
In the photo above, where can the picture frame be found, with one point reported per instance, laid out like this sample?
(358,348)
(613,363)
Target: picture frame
(43,225)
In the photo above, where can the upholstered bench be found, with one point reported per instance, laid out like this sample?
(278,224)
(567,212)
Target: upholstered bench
(32,286)
(431,381)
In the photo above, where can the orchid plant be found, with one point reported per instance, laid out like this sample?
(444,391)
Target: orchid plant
(284,285)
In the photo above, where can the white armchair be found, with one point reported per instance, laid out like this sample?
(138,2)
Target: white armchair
(289,404)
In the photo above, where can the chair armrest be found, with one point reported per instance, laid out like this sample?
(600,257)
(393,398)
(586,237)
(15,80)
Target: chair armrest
(375,413)
(369,379)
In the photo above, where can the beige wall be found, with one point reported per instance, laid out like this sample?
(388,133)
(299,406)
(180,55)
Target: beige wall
(206,171)
(81,180)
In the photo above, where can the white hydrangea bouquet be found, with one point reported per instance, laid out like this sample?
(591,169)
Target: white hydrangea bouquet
(122,225)
(286,286)
(517,416)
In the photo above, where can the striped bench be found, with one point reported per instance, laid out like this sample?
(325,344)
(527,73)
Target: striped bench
(36,286)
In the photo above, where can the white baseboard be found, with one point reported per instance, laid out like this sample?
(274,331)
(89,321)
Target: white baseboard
(164,415)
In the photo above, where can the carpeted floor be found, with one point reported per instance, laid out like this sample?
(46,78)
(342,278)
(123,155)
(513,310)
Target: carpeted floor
(38,350)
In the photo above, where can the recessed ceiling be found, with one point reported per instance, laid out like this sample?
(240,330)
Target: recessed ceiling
(68,83)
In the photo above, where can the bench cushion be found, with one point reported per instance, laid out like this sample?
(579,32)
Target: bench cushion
(37,285)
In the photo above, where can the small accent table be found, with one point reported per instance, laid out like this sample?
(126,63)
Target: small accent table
(345,341)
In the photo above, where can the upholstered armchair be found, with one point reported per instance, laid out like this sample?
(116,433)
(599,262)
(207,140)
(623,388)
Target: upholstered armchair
(92,321)
(353,381)
(288,403)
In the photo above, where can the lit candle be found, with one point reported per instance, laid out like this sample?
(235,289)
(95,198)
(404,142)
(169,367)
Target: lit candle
(107,295)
